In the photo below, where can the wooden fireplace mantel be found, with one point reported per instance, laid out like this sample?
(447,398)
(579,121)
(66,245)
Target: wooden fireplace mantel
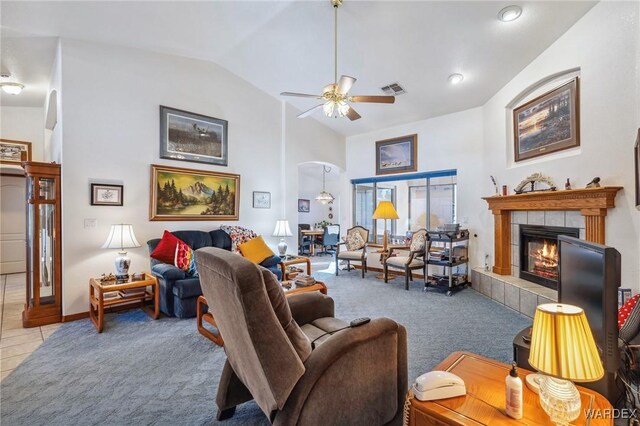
(592,204)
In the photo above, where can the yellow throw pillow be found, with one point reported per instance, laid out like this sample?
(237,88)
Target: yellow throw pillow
(255,250)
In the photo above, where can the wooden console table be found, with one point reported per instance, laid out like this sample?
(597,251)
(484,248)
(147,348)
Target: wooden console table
(484,403)
(208,317)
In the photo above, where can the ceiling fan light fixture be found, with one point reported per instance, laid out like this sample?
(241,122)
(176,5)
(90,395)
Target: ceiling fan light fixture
(510,13)
(336,109)
(456,78)
(12,88)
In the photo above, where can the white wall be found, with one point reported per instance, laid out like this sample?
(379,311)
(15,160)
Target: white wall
(111,134)
(452,141)
(24,124)
(602,45)
(309,186)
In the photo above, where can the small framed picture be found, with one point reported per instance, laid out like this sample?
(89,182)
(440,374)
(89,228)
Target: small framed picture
(261,200)
(11,151)
(304,205)
(397,155)
(106,195)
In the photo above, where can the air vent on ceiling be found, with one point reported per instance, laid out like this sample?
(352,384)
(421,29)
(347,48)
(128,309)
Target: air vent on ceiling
(393,89)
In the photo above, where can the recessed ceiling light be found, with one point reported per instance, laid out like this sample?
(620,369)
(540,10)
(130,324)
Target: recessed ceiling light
(12,88)
(510,13)
(455,78)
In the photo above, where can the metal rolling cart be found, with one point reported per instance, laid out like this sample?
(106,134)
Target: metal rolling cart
(449,249)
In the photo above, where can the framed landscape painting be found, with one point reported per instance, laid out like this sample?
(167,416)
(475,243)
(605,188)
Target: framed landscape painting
(397,155)
(548,123)
(187,136)
(636,152)
(11,151)
(187,194)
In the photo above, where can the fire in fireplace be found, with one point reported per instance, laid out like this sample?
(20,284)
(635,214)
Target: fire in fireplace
(539,253)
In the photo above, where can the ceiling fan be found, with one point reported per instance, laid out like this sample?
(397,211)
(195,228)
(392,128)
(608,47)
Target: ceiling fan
(336,95)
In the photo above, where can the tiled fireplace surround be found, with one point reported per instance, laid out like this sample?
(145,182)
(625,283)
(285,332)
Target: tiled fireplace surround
(511,290)
(585,209)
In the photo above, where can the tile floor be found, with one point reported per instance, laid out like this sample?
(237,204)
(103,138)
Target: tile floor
(16,343)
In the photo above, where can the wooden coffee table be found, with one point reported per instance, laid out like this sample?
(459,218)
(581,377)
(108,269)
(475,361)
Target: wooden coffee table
(208,316)
(97,302)
(484,403)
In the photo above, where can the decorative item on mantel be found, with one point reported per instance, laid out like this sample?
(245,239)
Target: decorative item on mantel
(531,180)
(567,185)
(595,183)
(495,184)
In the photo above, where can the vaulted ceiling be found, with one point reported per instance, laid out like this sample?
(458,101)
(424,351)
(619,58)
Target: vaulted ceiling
(288,46)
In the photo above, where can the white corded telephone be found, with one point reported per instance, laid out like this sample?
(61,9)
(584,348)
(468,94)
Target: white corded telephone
(438,385)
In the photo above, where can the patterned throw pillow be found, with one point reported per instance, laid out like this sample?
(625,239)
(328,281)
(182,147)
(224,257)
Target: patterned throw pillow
(185,259)
(354,241)
(238,235)
(418,242)
(629,319)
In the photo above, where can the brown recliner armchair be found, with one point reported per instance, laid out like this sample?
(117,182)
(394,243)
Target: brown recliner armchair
(357,376)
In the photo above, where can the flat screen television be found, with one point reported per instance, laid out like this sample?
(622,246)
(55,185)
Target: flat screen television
(589,277)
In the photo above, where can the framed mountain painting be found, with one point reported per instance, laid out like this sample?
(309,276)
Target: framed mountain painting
(188,194)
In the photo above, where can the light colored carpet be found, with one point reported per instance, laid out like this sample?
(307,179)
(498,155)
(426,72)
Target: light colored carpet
(143,372)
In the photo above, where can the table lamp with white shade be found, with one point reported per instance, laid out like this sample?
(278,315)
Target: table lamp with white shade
(121,237)
(385,210)
(564,351)
(282,230)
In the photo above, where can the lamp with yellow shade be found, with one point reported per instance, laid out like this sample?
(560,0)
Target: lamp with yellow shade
(385,210)
(564,351)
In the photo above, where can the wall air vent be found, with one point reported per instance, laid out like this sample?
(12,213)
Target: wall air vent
(393,89)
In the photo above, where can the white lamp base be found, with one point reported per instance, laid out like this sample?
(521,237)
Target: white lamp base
(122,265)
(282,248)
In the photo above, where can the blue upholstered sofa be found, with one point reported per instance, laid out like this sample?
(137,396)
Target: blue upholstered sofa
(178,292)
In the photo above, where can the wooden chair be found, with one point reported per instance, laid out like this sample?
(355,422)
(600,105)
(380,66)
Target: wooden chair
(417,258)
(359,255)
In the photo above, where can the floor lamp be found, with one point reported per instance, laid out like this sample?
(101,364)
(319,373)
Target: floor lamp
(385,210)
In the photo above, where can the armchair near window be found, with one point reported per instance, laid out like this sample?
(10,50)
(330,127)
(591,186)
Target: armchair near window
(417,258)
(354,248)
(357,376)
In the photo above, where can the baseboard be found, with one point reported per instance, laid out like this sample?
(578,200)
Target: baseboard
(75,317)
(85,314)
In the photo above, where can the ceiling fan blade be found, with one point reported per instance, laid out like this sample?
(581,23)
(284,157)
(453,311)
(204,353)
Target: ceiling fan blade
(344,84)
(301,95)
(352,114)
(374,99)
(309,111)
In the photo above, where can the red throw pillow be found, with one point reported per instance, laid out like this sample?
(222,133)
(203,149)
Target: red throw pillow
(629,318)
(165,251)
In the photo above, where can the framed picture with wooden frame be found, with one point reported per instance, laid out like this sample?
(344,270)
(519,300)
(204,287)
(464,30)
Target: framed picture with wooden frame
(189,194)
(107,194)
(548,123)
(397,155)
(11,151)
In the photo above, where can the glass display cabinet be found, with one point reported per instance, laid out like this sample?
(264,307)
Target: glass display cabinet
(44,245)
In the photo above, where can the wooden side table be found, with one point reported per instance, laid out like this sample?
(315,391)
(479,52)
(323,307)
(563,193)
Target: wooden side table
(484,403)
(97,303)
(295,260)
(208,316)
